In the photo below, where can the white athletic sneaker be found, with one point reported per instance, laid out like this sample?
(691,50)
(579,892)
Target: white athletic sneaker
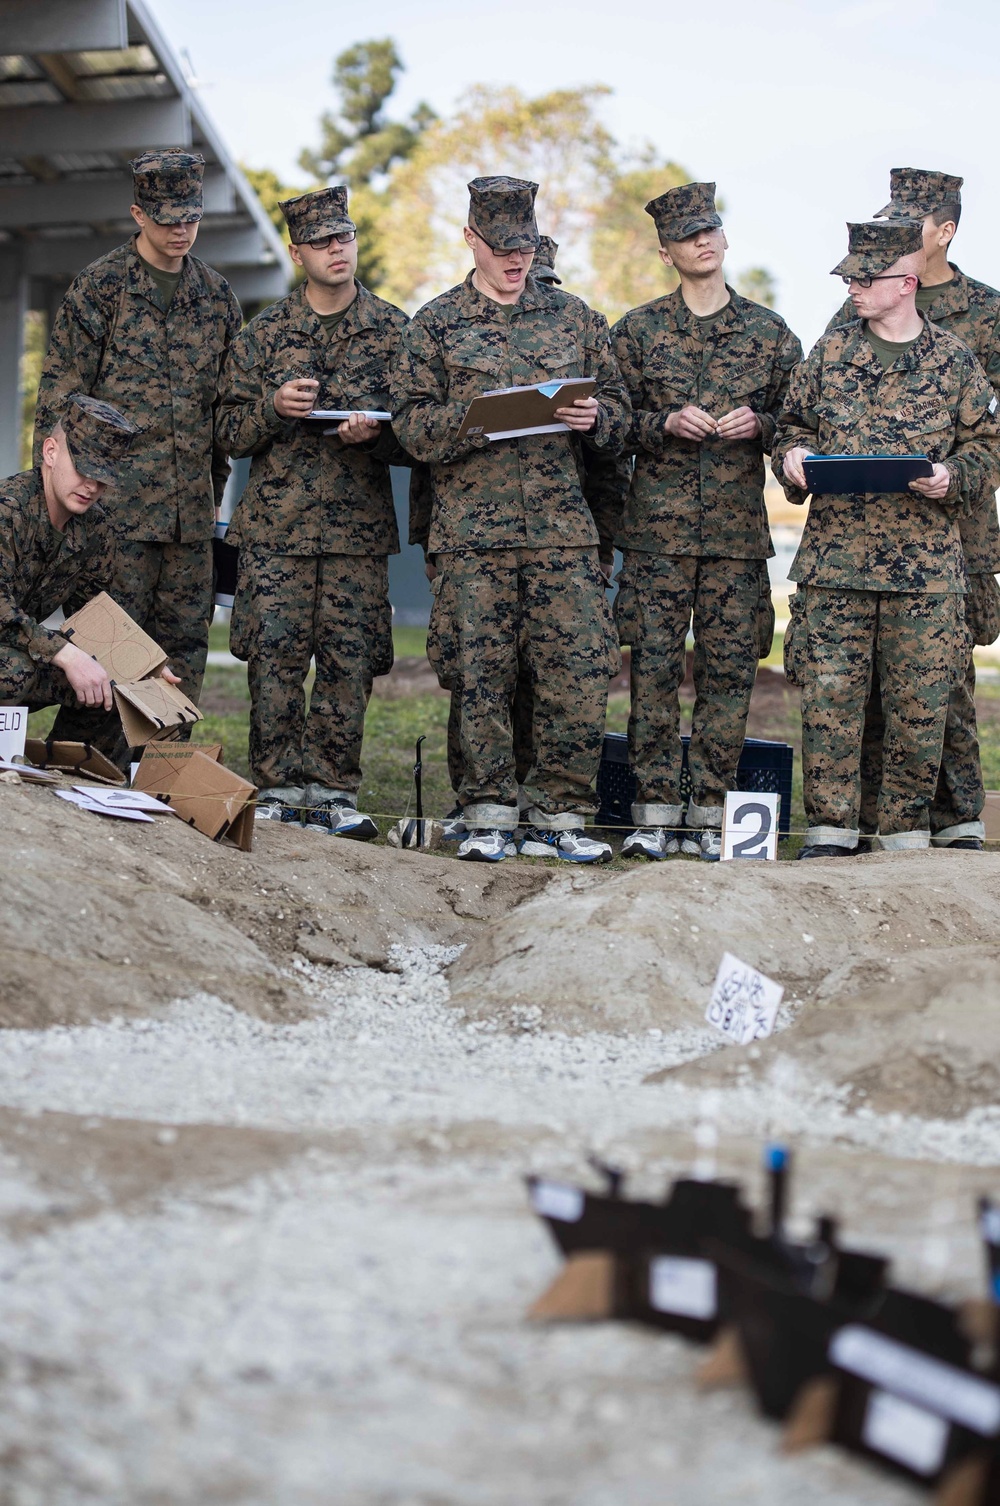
(650,842)
(711,846)
(487,845)
(338,817)
(453,827)
(690,844)
(572,846)
(284,804)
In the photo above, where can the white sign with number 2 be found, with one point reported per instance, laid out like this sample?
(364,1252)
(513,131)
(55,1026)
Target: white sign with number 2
(750,825)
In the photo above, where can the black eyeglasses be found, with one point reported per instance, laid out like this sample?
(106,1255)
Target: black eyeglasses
(345,238)
(867,280)
(504,255)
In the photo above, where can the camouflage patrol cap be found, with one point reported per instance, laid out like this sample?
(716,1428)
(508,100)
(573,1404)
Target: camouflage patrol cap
(97,436)
(168,185)
(681,212)
(543,268)
(917,192)
(875,245)
(502,213)
(313,215)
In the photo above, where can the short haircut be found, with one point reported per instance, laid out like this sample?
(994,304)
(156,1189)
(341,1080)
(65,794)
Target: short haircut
(947,212)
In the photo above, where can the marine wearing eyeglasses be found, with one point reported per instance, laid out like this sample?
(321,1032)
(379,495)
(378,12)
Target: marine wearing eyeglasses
(512,538)
(316,523)
(881,577)
(970,310)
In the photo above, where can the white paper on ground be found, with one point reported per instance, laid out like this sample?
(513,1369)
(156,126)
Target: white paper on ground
(135,800)
(680,1285)
(744,1003)
(556,1200)
(750,825)
(920,1377)
(903,1432)
(86,804)
(27,771)
(13,730)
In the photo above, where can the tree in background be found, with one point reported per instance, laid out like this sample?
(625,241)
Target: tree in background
(758,284)
(360,146)
(272,192)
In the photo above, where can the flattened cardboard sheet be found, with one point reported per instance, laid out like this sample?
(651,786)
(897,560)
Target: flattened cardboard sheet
(991,815)
(72,758)
(105,629)
(584,1289)
(152,708)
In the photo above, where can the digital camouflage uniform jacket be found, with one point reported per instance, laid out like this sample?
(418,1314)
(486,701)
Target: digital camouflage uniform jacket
(510,493)
(708,498)
(112,339)
(933,400)
(970,310)
(309,493)
(42,569)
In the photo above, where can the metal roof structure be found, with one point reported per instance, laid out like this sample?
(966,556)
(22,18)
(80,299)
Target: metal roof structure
(84,86)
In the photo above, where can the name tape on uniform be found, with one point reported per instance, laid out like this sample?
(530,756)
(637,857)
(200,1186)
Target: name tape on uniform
(750,825)
(13,730)
(744,1003)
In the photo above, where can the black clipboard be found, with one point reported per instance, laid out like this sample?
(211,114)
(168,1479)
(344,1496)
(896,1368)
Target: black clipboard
(863,473)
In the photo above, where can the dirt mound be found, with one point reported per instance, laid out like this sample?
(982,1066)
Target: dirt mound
(641,950)
(101,917)
(926,1044)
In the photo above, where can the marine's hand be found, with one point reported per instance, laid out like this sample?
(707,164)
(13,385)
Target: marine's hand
(169,676)
(357,429)
(742,423)
(791,467)
(690,423)
(296,398)
(88,678)
(607,570)
(935,485)
(430,569)
(581,417)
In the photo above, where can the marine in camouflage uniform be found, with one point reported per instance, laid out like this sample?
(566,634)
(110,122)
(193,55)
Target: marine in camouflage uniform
(605,482)
(57,549)
(511,535)
(881,577)
(694,534)
(316,523)
(153,343)
(970,310)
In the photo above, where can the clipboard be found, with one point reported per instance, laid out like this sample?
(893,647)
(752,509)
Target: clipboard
(863,473)
(513,412)
(337,415)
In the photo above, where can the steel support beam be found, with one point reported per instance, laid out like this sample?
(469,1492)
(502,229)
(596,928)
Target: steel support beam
(28,26)
(89,201)
(13,306)
(135,126)
(240,247)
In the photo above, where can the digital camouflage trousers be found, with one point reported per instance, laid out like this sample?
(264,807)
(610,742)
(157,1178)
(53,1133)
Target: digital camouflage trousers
(727,604)
(167,590)
(915,647)
(542,611)
(288,609)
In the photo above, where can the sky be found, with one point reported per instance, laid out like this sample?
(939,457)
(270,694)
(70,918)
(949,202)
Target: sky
(796,108)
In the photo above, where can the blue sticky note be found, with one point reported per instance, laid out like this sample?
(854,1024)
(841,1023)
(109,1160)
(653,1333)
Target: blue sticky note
(549,388)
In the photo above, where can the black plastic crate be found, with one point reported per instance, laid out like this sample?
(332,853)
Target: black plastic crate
(763,766)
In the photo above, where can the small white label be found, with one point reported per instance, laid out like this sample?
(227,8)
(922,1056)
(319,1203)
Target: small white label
(556,1200)
(925,1380)
(682,1286)
(750,825)
(13,729)
(899,1430)
(744,1003)
(993,403)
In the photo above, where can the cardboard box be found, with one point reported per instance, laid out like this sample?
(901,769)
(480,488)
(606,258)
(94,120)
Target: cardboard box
(991,815)
(202,791)
(72,758)
(149,707)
